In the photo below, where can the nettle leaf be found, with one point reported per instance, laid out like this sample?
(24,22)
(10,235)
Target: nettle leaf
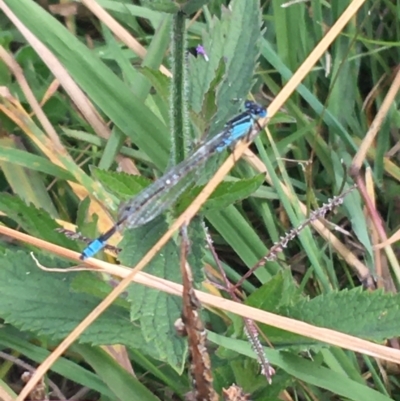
(122,184)
(373,316)
(226,193)
(370,315)
(36,222)
(279,291)
(45,303)
(209,108)
(275,293)
(234,39)
(241,52)
(85,283)
(202,72)
(154,310)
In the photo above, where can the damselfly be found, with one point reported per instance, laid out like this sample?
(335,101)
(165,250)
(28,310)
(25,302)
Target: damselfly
(163,193)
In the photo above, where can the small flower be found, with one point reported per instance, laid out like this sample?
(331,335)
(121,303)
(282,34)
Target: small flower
(200,50)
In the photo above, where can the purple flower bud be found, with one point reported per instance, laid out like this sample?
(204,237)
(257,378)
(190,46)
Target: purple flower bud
(200,50)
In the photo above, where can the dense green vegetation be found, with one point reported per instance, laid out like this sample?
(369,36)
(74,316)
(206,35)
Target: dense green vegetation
(94,109)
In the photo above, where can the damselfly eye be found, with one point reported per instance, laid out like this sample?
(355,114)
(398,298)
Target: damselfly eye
(257,110)
(261,111)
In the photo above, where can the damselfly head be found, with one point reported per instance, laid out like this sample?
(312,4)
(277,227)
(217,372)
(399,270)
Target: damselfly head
(255,109)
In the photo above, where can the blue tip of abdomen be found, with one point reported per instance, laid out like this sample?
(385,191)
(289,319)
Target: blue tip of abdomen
(91,250)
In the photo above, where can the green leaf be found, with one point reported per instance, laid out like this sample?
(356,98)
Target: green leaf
(234,39)
(280,290)
(132,10)
(239,234)
(122,184)
(247,375)
(98,288)
(165,6)
(155,310)
(170,6)
(46,306)
(100,143)
(161,84)
(12,338)
(36,222)
(370,315)
(203,117)
(282,118)
(105,89)
(355,212)
(305,370)
(26,183)
(124,385)
(373,316)
(191,6)
(226,194)
(33,162)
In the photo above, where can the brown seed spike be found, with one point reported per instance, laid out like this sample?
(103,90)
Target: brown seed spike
(200,364)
